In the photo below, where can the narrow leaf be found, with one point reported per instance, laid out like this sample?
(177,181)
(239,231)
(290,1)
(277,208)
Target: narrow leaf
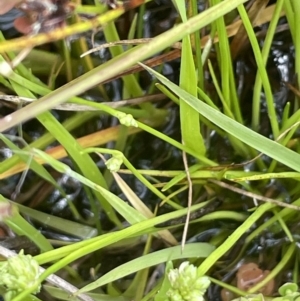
(253,139)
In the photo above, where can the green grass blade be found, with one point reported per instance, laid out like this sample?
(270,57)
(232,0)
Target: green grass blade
(190,250)
(253,139)
(47,139)
(262,70)
(117,64)
(256,105)
(130,214)
(189,118)
(60,224)
(21,227)
(33,165)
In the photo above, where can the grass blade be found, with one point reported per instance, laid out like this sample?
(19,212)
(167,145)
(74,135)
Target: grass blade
(253,139)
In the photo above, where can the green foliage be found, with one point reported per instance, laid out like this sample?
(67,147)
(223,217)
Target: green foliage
(185,284)
(201,114)
(19,273)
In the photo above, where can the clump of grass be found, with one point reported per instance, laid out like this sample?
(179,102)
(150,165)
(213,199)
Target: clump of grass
(202,177)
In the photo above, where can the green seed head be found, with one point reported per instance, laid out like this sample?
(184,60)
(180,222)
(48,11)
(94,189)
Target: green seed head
(186,285)
(19,273)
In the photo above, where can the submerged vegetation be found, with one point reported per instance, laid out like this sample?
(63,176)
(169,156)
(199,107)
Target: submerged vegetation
(150,150)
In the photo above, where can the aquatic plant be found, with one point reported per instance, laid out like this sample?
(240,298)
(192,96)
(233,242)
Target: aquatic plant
(186,285)
(18,273)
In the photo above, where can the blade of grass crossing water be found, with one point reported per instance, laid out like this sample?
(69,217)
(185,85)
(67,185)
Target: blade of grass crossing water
(237,145)
(46,139)
(253,139)
(130,82)
(232,239)
(265,54)
(33,165)
(262,70)
(224,57)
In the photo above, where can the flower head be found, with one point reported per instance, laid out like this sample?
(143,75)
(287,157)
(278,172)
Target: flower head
(126,119)
(115,162)
(19,273)
(186,285)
